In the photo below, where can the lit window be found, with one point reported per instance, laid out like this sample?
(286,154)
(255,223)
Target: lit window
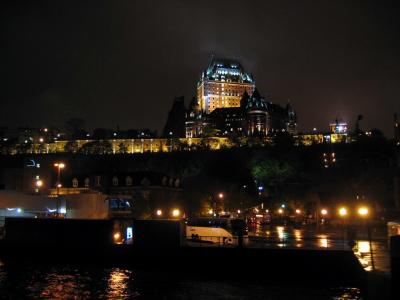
(75,182)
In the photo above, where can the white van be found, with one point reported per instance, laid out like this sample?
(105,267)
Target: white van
(223,231)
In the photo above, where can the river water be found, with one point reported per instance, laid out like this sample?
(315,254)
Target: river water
(80,282)
(27,280)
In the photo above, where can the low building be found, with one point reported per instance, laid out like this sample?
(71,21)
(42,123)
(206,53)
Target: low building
(337,134)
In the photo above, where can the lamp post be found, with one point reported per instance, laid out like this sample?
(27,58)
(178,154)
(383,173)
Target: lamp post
(38,185)
(343,214)
(59,166)
(323,213)
(221,198)
(171,141)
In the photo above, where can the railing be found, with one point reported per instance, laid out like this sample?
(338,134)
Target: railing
(211,241)
(320,243)
(268,242)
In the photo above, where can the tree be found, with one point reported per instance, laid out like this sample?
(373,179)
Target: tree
(283,139)
(71,147)
(101,134)
(75,127)
(122,149)
(96,147)
(24,147)
(270,171)
(235,139)
(210,132)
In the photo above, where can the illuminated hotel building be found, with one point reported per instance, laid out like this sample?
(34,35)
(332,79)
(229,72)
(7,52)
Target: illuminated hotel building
(222,85)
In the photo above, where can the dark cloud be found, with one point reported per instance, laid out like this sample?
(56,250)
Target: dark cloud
(122,62)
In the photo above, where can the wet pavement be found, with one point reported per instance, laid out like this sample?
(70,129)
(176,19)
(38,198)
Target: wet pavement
(324,238)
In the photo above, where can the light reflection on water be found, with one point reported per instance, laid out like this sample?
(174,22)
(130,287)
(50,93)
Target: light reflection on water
(72,282)
(297,234)
(323,240)
(65,282)
(118,283)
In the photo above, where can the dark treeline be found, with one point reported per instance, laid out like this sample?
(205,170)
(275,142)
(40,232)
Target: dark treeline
(324,173)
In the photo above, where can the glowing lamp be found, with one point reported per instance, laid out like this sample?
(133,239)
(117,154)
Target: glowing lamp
(60,165)
(343,211)
(363,211)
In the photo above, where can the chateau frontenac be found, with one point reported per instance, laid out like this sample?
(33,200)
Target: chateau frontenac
(228,102)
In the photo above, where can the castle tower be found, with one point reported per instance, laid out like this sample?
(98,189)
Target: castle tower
(291,121)
(222,85)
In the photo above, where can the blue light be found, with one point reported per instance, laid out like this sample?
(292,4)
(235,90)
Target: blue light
(129,232)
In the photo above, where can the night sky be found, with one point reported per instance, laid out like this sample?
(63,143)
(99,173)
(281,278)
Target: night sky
(122,62)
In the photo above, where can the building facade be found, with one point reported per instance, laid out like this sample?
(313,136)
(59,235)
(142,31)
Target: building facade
(254,117)
(222,85)
(175,125)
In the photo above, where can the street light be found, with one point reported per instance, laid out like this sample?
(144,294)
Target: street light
(298,211)
(363,211)
(343,214)
(39,183)
(343,211)
(59,166)
(220,195)
(176,213)
(159,212)
(324,212)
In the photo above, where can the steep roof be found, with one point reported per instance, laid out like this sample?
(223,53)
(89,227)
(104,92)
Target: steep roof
(256,102)
(223,68)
